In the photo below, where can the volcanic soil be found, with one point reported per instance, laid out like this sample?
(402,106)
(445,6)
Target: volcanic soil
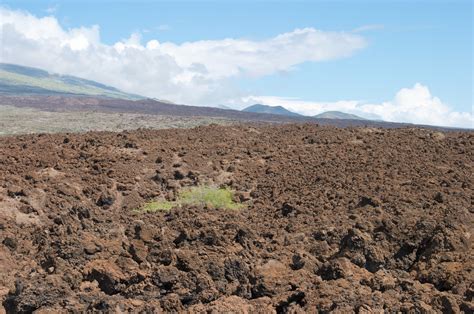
(359,220)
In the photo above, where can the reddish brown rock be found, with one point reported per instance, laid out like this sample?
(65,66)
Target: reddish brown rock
(328,224)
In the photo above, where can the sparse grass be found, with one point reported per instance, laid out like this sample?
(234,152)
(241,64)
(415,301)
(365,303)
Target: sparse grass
(211,197)
(158,206)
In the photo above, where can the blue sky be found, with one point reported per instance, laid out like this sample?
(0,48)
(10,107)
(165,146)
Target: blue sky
(406,42)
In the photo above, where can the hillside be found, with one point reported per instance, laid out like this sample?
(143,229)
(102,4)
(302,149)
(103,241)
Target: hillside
(338,115)
(22,80)
(143,106)
(338,220)
(278,110)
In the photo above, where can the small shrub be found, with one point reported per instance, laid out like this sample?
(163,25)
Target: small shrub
(209,196)
(212,197)
(158,206)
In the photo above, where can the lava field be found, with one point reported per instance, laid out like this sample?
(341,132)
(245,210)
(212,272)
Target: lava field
(358,219)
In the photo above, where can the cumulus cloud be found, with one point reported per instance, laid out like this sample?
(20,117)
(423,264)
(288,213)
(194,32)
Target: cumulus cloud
(198,72)
(417,105)
(412,105)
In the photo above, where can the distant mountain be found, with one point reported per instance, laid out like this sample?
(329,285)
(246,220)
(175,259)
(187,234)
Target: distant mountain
(279,110)
(21,80)
(337,115)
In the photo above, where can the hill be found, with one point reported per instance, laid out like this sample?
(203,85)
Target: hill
(338,115)
(22,80)
(279,110)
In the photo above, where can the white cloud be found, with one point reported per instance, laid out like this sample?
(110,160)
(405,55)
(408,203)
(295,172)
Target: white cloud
(412,105)
(370,27)
(198,72)
(231,57)
(417,105)
(201,72)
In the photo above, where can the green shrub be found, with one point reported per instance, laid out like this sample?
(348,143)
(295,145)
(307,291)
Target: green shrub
(158,206)
(211,197)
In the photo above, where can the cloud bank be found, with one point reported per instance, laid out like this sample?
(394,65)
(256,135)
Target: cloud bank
(412,105)
(202,72)
(192,72)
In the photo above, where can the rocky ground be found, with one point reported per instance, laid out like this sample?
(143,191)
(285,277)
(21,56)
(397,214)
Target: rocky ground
(16,121)
(336,220)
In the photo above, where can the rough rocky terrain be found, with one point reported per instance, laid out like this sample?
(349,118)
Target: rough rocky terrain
(358,220)
(15,121)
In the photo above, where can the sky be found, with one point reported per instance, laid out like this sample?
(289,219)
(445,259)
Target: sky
(404,61)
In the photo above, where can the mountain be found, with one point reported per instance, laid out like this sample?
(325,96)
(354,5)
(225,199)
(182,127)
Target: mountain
(337,115)
(279,110)
(22,80)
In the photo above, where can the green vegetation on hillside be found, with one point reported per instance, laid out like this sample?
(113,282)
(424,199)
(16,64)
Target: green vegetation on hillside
(19,80)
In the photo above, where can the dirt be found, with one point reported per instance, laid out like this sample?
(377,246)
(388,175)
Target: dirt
(361,220)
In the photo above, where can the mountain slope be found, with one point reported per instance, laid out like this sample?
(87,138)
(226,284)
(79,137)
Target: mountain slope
(338,115)
(279,110)
(22,80)
(224,107)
